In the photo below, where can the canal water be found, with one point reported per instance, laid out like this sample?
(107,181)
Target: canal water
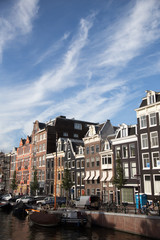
(12,228)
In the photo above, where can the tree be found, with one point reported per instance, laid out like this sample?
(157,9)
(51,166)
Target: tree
(14,184)
(67,182)
(34,186)
(118,180)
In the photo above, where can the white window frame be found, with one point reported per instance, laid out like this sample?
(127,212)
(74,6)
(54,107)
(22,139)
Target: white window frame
(133,168)
(126,151)
(130,152)
(146,141)
(126,170)
(144,167)
(147,192)
(152,120)
(153,139)
(158,159)
(156,187)
(143,121)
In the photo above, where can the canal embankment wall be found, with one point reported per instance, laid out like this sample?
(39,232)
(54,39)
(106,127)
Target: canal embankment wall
(143,225)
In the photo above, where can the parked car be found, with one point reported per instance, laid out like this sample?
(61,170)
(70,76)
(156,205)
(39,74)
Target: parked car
(46,200)
(50,201)
(88,202)
(7,196)
(26,199)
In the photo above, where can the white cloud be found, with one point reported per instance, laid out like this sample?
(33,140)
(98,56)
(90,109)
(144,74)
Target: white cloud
(18,22)
(132,34)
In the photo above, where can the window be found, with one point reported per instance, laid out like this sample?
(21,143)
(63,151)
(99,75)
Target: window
(147,184)
(87,163)
(143,122)
(93,191)
(146,161)
(82,163)
(127,195)
(78,164)
(98,191)
(126,170)
(118,152)
(156,184)
(92,149)
(78,126)
(65,134)
(124,132)
(75,135)
(69,164)
(97,161)
(124,151)
(59,176)
(73,163)
(144,140)
(87,150)
(59,162)
(44,147)
(81,150)
(152,119)
(73,176)
(78,179)
(133,169)
(88,192)
(40,161)
(154,139)
(43,160)
(156,160)
(82,178)
(97,148)
(92,162)
(106,146)
(106,159)
(150,99)
(69,155)
(132,150)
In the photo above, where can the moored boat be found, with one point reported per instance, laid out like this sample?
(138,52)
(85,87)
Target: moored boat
(45,219)
(75,218)
(5,205)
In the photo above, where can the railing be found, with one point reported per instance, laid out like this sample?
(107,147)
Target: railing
(130,209)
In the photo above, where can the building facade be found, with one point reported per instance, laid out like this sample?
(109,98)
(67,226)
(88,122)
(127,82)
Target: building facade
(148,122)
(125,149)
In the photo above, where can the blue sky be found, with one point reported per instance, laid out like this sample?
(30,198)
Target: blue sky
(87,59)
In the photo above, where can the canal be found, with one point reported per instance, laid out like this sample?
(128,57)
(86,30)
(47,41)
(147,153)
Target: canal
(12,228)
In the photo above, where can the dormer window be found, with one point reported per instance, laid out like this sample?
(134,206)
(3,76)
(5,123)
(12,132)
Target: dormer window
(92,130)
(124,132)
(80,150)
(150,97)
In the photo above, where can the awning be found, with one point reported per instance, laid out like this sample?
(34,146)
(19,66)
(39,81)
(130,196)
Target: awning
(92,175)
(87,175)
(109,176)
(104,176)
(97,175)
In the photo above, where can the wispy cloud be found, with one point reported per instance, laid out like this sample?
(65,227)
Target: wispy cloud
(132,34)
(18,22)
(53,49)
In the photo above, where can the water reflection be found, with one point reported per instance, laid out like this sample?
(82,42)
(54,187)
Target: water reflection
(12,228)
